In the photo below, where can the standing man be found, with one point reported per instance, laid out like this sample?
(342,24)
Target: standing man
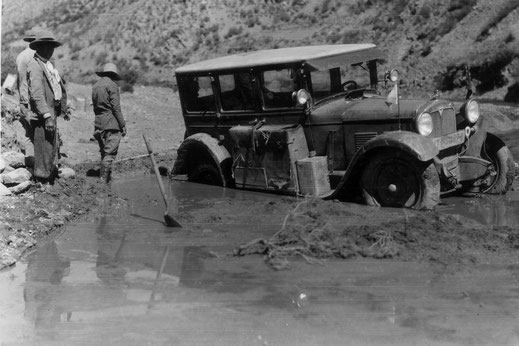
(22,61)
(47,100)
(109,125)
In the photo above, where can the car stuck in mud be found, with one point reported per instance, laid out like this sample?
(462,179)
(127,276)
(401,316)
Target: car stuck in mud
(313,120)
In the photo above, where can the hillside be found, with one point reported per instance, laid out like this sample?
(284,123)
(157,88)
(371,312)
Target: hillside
(430,41)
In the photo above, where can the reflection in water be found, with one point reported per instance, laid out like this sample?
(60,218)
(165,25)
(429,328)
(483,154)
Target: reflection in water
(129,272)
(492,210)
(45,271)
(193,266)
(157,278)
(108,266)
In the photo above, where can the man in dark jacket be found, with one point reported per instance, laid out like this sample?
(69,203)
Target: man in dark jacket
(47,100)
(109,124)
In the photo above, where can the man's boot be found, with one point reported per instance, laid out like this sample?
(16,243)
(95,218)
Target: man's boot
(103,173)
(108,175)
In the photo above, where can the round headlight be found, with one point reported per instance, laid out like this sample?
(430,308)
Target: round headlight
(472,111)
(424,124)
(302,97)
(393,75)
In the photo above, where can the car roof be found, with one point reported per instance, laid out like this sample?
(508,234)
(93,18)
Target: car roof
(316,57)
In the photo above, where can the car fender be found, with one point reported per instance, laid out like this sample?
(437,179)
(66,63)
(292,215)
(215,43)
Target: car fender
(417,146)
(201,147)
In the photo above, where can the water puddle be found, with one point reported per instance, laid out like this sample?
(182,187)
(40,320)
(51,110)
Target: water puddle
(491,210)
(124,279)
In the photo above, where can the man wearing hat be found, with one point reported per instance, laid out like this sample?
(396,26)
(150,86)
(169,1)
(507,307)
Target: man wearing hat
(109,125)
(47,100)
(22,61)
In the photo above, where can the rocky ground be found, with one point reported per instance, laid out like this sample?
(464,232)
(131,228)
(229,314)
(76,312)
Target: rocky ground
(32,214)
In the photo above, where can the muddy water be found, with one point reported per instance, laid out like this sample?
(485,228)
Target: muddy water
(125,278)
(491,210)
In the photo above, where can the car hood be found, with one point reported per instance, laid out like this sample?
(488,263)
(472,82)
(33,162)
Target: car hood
(375,108)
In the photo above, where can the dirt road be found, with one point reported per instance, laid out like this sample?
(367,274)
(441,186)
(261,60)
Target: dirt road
(156,112)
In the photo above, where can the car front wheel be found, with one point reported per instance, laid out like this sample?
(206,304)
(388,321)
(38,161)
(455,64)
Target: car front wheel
(502,177)
(390,180)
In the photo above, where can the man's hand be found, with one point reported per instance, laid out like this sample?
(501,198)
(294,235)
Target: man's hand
(67,113)
(50,125)
(123,131)
(23,111)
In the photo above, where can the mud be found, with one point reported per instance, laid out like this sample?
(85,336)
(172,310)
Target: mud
(407,235)
(39,212)
(120,276)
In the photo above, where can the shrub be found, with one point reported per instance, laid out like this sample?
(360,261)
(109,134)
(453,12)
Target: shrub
(490,73)
(233,31)
(512,94)
(101,58)
(502,13)
(281,16)
(425,11)
(8,63)
(325,6)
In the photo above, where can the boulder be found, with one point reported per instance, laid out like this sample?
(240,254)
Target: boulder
(22,187)
(4,191)
(9,83)
(8,169)
(3,164)
(17,176)
(14,159)
(66,173)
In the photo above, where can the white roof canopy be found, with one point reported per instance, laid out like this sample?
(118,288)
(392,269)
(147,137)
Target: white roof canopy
(317,57)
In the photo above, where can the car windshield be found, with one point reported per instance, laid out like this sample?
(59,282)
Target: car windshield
(337,80)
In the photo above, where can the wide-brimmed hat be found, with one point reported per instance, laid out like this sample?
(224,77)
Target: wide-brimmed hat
(44,37)
(29,36)
(109,70)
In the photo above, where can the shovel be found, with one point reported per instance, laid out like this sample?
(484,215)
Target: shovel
(170,221)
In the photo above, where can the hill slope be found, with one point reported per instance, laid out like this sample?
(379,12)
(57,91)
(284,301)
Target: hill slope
(431,42)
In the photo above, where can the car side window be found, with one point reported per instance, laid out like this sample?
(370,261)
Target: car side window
(277,87)
(237,92)
(198,94)
(321,84)
(337,80)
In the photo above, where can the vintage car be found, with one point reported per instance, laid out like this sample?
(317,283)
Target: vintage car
(319,121)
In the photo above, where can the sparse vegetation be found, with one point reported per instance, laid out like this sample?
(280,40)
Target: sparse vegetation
(494,21)
(8,62)
(166,34)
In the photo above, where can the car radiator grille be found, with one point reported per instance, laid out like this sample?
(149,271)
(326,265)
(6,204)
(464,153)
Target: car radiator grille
(362,137)
(444,122)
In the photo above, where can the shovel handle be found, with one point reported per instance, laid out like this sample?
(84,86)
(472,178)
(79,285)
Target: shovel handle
(156,169)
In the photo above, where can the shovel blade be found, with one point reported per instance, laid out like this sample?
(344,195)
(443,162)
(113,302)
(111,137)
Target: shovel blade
(170,221)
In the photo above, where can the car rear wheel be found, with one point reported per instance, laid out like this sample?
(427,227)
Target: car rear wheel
(205,173)
(390,180)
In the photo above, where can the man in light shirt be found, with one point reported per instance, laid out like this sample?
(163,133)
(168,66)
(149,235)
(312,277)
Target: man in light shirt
(22,61)
(47,100)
